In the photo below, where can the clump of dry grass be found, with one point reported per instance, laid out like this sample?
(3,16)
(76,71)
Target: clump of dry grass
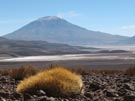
(89,71)
(130,70)
(108,71)
(82,70)
(4,71)
(23,72)
(55,82)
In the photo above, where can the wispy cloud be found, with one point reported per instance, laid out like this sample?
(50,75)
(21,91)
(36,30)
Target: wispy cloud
(69,14)
(129,27)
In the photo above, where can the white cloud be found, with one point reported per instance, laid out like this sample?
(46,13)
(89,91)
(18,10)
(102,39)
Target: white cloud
(69,14)
(129,27)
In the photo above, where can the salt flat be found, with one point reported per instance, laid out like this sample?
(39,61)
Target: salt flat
(126,48)
(69,57)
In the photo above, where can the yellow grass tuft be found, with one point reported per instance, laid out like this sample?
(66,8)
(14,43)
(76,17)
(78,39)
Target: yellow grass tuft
(55,82)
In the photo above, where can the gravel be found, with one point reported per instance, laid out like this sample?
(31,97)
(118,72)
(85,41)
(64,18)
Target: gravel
(98,87)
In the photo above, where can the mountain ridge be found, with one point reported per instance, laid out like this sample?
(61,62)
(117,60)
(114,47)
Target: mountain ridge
(57,30)
(15,48)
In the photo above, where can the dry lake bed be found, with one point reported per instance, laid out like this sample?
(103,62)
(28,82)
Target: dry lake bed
(93,60)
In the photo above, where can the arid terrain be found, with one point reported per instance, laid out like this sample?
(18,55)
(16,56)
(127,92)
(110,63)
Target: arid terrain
(106,85)
(98,60)
(67,50)
(104,75)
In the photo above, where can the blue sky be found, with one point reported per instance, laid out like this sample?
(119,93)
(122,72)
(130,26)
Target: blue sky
(111,16)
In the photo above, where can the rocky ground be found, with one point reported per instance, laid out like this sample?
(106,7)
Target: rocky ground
(98,87)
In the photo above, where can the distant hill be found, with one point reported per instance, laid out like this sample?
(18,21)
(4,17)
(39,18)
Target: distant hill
(57,30)
(128,41)
(16,48)
(3,39)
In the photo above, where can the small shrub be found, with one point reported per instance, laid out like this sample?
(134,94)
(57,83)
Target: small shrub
(130,71)
(4,71)
(23,72)
(82,71)
(55,82)
(108,71)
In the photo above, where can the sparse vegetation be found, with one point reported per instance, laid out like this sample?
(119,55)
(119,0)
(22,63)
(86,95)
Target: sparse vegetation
(82,70)
(88,71)
(29,70)
(55,82)
(61,83)
(4,71)
(108,71)
(130,70)
(23,72)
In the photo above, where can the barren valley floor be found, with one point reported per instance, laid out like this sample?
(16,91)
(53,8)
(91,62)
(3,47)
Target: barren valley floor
(101,60)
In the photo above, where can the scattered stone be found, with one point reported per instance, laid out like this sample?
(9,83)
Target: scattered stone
(4,94)
(16,95)
(45,98)
(122,92)
(88,94)
(65,100)
(41,93)
(27,96)
(129,86)
(98,87)
(42,98)
(129,98)
(2,99)
(95,86)
(111,93)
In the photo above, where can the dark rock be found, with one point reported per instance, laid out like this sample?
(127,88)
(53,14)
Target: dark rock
(129,98)
(88,99)
(116,99)
(35,96)
(65,100)
(27,96)
(122,92)
(12,82)
(50,99)
(4,94)
(98,87)
(16,95)
(129,86)
(2,99)
(3,78)
(42,98)
(88,94)
(111,93)
(126,80)
(45,98)
(41,93)
(95,86)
